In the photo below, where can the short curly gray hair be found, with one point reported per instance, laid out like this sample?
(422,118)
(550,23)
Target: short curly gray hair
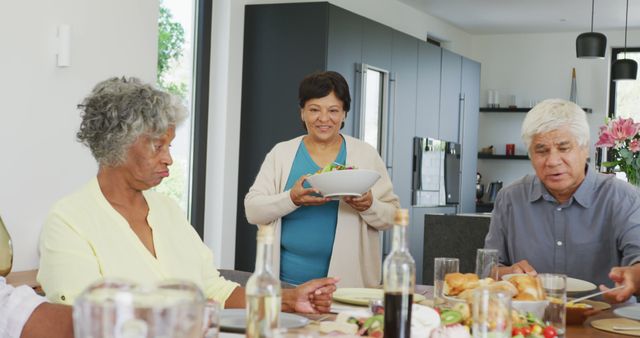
(119,110)
(553,114)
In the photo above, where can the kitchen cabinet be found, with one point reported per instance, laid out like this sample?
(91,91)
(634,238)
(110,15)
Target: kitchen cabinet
(428,87)
(469,115)
(404,58)
(450,81)
(344,49)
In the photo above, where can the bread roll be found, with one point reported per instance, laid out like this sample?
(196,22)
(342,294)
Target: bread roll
(528,287)
(455,283)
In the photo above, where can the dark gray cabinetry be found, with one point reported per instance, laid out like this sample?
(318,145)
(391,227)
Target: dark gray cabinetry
(344,50)
(450,96)
(282,44)
(428,104)
(404,58)
(376,44)
(469,115)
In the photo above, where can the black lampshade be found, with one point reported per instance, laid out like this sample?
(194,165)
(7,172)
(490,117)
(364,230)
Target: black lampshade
(591,45)
(624,69)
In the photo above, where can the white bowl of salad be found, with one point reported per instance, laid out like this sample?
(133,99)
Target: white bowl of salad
(336,180)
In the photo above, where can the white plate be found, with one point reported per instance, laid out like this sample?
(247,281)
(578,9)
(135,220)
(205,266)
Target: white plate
(235,320)
(338,195)
(631,311)
(352,182)
(573,284)
(362,296)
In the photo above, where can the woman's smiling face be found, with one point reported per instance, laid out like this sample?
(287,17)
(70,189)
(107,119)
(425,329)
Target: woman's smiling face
(323,117)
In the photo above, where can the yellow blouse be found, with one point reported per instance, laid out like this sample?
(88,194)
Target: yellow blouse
(85,239)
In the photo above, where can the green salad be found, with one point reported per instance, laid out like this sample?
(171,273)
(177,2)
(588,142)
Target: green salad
(334,166)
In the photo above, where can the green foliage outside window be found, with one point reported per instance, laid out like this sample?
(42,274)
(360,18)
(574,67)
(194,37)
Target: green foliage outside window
(170,48)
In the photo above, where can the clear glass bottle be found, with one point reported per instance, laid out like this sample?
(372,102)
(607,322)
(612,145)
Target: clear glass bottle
(399,279)
(6,251)
(263,291)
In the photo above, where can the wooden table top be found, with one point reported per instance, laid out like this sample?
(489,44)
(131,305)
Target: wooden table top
(28,277)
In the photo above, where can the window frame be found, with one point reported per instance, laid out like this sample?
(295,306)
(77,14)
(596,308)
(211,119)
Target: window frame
(612,84)
(201,69)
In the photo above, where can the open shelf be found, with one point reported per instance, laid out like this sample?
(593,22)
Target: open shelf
(517,110)
(502,157)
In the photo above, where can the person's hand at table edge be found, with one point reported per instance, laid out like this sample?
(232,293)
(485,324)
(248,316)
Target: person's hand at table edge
(520,267)
(313,296)
(629,276)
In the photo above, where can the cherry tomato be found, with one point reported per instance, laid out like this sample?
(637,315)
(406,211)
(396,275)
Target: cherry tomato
(526,330)
(549,332)
(516,331)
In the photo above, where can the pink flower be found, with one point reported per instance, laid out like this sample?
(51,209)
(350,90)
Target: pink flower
(605,140)
(623,129)
(634,146)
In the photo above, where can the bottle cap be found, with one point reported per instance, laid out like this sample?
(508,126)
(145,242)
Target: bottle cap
(401,217)
(265,232)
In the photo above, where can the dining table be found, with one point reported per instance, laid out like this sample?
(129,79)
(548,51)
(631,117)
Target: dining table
(579,331)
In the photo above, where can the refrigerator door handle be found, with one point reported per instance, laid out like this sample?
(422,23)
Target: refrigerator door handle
(391,118)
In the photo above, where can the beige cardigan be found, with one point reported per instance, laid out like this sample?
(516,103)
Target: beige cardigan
(356,256)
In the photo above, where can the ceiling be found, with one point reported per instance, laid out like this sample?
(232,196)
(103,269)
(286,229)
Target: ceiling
(530,16)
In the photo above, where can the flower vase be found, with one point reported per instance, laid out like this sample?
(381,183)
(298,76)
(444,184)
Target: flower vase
(6,251)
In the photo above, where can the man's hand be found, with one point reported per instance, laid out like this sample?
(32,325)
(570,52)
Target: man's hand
(520,267)
(629,276)
(305,196)
(361,203)
(311,297)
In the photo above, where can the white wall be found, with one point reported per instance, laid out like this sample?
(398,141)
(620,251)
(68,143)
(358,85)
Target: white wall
(537,67)
(41,161)
(224,114)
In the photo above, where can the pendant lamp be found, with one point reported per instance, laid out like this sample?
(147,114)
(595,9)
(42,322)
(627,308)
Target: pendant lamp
(591,45)
(624,69)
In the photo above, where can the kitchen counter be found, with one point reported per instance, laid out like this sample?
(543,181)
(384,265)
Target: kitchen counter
(457,236)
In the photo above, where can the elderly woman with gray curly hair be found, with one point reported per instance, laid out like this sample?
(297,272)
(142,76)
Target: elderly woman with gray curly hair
(114,226)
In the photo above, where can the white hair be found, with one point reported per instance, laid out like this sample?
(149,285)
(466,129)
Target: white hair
(552,114)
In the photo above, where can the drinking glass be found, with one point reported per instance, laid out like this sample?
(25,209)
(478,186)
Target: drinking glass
(211,319)
(115,308)
(441,267)
(487,263)
(6,251)
(491,313)
(555,289)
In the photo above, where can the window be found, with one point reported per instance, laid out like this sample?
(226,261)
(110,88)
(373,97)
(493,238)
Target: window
(183,69)
(373,117)
(624,100)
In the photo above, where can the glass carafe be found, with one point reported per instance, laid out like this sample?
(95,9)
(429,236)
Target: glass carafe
(6,251)
(119,309)
(263,291)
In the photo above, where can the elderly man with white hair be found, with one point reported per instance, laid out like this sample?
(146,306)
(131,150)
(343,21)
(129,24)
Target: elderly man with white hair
(567,218)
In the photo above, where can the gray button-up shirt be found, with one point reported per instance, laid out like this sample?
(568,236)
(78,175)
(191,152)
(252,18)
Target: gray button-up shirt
(597,229)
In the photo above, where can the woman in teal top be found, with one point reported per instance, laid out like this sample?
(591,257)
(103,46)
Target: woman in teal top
(308,232)
(319,236)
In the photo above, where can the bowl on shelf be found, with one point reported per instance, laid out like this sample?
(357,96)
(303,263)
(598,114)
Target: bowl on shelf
(350,182)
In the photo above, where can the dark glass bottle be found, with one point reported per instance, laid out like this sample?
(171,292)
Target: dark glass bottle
(399,279)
